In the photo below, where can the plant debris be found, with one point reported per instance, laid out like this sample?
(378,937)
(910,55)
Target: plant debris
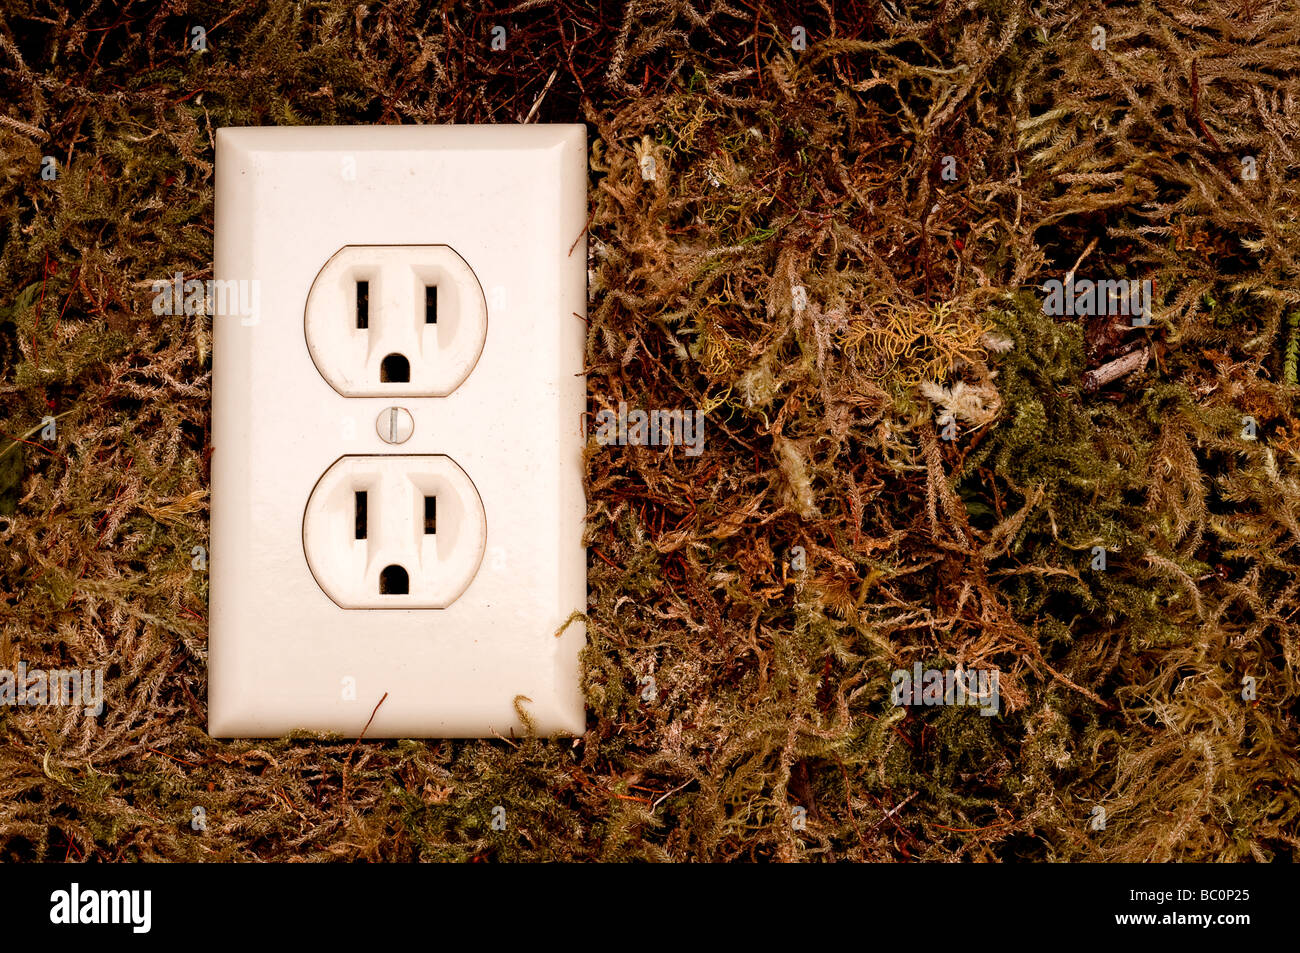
(834,250)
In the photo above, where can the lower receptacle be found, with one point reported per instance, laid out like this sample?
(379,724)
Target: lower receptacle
(394,532)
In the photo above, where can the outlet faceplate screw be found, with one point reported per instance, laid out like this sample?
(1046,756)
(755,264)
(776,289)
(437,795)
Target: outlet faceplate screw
(395,425)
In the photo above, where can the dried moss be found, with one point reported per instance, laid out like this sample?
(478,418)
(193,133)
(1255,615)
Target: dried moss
(797,266)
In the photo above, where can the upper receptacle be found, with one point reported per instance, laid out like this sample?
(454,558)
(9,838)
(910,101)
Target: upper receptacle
(395,320)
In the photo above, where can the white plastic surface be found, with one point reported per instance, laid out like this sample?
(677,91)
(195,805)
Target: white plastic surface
(510,201)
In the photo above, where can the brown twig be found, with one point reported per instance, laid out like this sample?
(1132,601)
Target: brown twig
(1099,377)
(545,89)
(1196,108)
(892,811)
(347,764)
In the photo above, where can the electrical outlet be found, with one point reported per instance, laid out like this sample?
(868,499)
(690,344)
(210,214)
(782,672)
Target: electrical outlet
(394,532)
(395,321)
(397,432)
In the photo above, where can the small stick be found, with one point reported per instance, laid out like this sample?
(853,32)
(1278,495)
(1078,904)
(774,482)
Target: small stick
(1196,107)
(545,89)
(347,764)
(1069,277)
(889,814)
(1096,379)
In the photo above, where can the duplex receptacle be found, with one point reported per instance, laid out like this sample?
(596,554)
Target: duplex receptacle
(397,500)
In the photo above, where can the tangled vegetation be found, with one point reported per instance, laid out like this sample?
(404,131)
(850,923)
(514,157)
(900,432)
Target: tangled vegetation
(828,229)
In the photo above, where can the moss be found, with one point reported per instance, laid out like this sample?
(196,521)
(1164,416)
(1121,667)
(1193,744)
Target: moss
(828,534)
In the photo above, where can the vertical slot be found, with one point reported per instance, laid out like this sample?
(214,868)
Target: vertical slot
(430,515)
(363,304)
(430,304)
(361,514)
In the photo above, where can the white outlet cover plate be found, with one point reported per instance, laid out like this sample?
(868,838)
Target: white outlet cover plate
(511,201)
